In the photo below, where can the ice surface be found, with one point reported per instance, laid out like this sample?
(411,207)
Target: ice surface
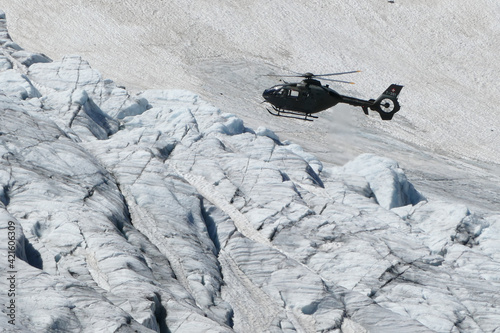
(387,181)
(157,211)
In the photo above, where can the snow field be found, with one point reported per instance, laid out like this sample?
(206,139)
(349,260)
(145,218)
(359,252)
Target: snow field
(156,211)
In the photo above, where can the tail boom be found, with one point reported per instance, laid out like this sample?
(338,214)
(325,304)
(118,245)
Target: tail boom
(386,105)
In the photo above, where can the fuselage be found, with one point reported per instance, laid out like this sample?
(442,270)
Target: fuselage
(308,96)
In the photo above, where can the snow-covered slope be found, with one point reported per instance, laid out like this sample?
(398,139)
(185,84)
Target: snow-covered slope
(444,53)
(157,211)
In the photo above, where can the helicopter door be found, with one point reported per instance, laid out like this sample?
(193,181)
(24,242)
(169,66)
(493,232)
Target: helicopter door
(289,93)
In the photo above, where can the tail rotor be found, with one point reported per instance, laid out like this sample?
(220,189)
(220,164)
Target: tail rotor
(387,104)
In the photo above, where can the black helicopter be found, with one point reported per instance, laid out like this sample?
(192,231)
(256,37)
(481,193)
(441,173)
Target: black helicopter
(301,100)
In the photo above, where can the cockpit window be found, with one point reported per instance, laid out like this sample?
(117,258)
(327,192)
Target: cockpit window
(283,92)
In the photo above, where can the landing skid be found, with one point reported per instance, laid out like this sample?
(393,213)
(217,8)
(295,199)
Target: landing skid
(291,114)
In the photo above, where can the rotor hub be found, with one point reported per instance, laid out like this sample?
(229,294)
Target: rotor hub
(387,105)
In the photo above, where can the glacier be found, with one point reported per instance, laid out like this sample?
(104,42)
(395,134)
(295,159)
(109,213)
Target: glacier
(155,211)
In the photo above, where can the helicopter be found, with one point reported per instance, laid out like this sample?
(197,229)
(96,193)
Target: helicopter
(300,100)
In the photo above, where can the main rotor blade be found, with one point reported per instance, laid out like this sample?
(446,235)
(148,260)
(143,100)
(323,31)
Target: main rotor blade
(340,73)
(311,75)
(283,75)
(320,76)
(340,81)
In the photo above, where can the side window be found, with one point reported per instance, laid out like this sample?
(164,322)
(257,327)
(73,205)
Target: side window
(294,93)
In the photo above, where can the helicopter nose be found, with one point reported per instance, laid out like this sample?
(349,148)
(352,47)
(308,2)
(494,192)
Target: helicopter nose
(267,93)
